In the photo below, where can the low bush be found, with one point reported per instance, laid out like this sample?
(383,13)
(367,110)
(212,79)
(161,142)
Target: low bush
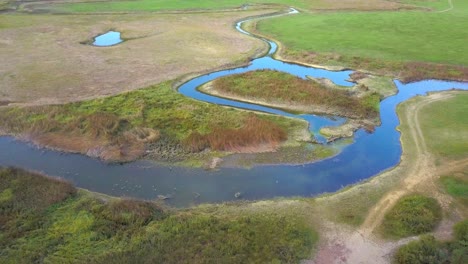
(428,250)
(412,215)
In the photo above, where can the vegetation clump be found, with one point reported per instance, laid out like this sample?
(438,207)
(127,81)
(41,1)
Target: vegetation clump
(253,132)
(412,215)
(44,220)
(428,250)
(279,87)
(157,119)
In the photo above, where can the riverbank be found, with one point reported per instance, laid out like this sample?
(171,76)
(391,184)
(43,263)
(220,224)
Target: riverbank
(156,123)
(345,221)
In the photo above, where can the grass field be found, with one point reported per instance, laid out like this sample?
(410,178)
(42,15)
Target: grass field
(385,41)
(48,221)
(457,186)
(446,126)
(47,62)
(168,5)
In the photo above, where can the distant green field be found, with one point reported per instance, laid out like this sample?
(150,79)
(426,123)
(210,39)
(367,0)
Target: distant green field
(433,4)
(157,5)
(445,126)
(388,36)
(154,5)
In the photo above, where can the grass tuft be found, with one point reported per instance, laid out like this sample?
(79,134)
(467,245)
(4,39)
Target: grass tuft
(412,215)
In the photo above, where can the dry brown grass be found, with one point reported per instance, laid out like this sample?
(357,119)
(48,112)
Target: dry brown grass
(254,133)
(417,71)
(43,60)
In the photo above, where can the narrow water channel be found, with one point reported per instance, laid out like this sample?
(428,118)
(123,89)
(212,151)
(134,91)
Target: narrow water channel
(367,156)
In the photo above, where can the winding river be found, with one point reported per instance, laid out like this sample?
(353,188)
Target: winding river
(367,156)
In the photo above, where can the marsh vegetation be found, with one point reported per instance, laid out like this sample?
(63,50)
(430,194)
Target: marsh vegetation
(47,220)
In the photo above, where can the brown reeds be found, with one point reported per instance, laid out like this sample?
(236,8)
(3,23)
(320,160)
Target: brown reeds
(254,132)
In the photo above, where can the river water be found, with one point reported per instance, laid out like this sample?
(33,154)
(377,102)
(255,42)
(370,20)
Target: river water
(367,156)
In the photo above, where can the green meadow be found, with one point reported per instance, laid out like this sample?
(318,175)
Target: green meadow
(409,44)
(392,36)
(160,5)
(443,123)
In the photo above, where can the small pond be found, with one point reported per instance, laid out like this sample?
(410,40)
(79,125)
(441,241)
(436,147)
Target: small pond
(110,38)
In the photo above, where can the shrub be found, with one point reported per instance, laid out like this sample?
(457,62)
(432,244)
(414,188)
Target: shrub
(412,215)
(461,231)
(429,250)
(426,250)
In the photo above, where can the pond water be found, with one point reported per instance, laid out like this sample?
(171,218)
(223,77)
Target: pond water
(110,38)
(367,156)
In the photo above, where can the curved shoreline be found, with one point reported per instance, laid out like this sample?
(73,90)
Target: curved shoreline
(369,155)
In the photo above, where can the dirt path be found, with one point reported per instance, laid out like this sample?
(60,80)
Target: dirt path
(344,245)
(448,9)
(421,171)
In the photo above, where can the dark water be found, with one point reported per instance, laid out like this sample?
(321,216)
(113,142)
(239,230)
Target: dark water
(108,39)
(369,155)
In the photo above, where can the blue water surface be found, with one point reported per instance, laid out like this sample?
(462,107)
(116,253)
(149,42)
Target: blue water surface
(367,156)
(110,38)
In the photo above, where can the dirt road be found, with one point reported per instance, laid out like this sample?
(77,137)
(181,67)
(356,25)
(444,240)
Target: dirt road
(345,245)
